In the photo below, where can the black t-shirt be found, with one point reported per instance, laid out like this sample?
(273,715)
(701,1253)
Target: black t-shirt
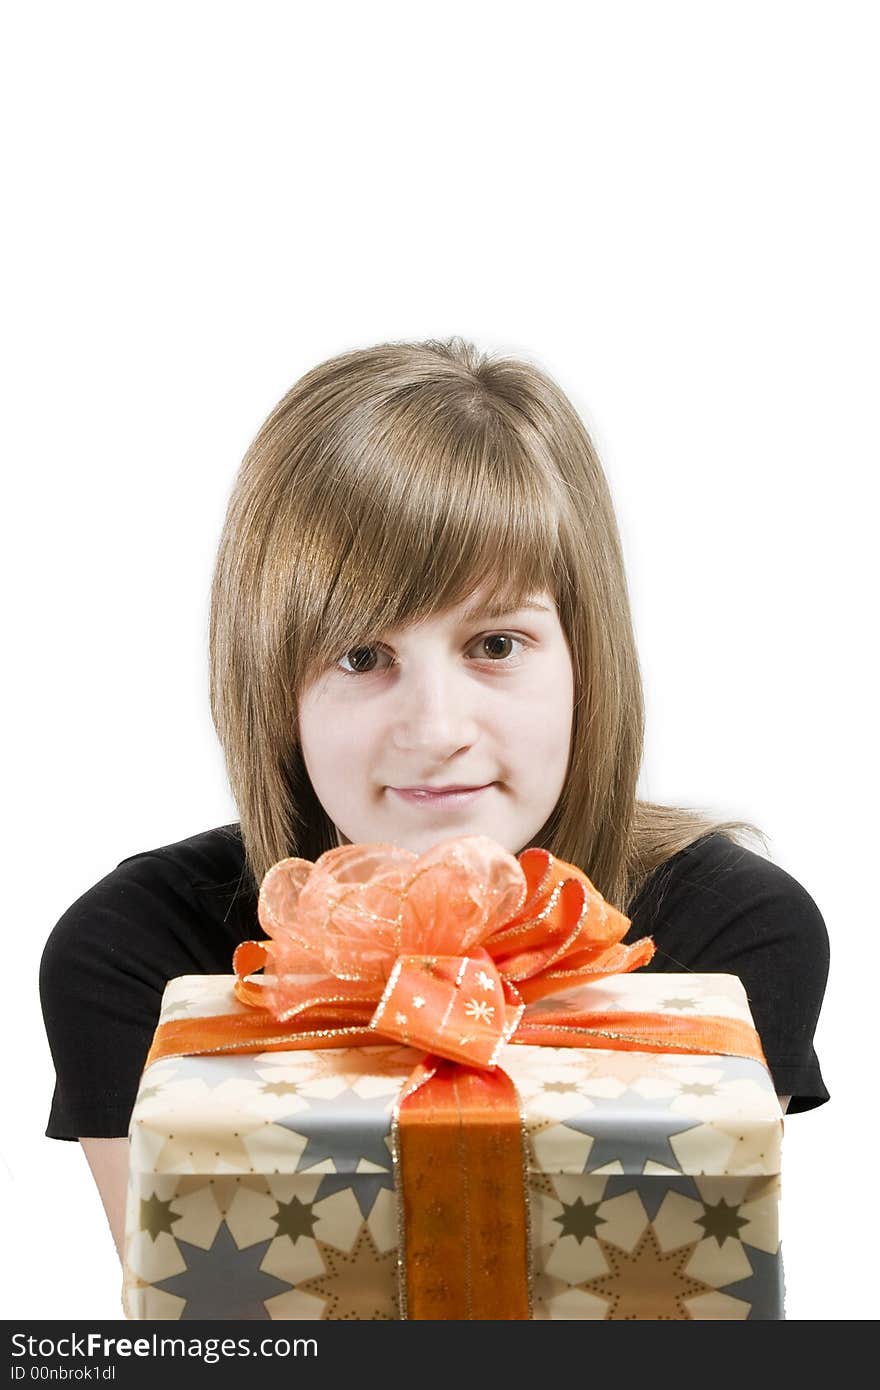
(182,909)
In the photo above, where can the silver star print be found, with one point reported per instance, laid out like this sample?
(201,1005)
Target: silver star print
(223,1282)
(631,1131)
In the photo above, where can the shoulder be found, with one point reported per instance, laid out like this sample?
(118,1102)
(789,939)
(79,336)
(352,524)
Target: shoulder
(720,880)
(716,897)
(156,911)
(168,911)
(208,859)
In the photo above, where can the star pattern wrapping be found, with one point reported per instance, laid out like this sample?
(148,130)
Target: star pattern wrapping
(580,1219)
(193,1150)
(157,1217)
(646,1138)
(263,1185)
(223,1282)
(647,1283)
(295,1219)
(652,1191)
(358,1283)
(763,1288)
(346,1130)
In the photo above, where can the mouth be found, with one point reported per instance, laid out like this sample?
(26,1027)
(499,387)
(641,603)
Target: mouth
(440,796)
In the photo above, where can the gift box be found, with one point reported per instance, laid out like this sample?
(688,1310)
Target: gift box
(265,1184)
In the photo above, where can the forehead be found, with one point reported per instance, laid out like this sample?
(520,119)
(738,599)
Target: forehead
(486,605)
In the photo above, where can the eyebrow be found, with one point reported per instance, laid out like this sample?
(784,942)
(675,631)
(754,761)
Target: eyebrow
(490,614)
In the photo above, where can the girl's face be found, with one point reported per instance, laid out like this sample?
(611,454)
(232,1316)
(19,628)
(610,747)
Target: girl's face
(481,702)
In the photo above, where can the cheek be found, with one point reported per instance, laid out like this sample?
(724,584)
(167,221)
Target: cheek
(551,728)
(333,741)
(317,724)
(535,735)
(551,715)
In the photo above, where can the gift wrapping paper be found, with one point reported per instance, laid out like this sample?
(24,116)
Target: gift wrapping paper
(262,1185)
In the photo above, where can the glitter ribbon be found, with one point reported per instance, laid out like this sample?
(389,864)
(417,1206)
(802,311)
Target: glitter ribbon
(444,952)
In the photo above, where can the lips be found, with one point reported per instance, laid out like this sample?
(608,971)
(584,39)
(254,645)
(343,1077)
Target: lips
(453,787)
(440,796)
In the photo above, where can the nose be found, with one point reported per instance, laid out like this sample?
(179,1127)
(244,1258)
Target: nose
(433,713)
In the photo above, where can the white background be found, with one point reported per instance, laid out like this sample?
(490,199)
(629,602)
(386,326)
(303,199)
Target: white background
(669,207)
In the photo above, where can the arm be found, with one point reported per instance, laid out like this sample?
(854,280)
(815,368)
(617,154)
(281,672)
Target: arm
(102,973)
(736,912)
(108,1160)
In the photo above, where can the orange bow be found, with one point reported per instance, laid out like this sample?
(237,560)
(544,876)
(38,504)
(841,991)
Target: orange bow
(441,951)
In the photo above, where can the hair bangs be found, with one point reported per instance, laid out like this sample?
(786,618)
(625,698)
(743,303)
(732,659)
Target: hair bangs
(439,508)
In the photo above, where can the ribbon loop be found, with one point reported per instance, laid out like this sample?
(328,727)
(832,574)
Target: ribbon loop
(447,945)
(347,965)
(456,1006)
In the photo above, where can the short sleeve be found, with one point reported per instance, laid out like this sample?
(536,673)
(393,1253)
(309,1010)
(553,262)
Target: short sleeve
(775,939)
(719,907)
(102,975)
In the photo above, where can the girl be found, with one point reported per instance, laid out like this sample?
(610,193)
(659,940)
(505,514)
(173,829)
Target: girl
(419,628)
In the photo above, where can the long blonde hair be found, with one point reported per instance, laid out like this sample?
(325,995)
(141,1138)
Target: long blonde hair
(386,486)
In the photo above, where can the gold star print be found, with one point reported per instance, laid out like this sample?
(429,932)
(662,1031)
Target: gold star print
(677,1003)
(148,1093)
(280,1088)
(358,1283)
(646,1283)
(721,1220)
(561,1087)
(697,1088)
(180,1007)
(157,1216)
(623,1066)
(352,1061)
(551,1005)
(294,1219)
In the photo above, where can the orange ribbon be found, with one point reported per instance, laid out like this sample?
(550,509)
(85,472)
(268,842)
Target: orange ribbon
(444,952)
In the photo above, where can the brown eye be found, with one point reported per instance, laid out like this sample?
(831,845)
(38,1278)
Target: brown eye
(362,659)
(498,648)
(491,644)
